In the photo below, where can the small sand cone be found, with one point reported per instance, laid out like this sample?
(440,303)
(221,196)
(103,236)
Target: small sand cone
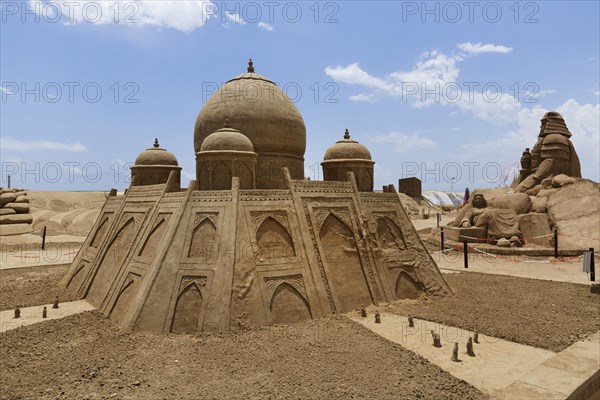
(470,351)
(455,353)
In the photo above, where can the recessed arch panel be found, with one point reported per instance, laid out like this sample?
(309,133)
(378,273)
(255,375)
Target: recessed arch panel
(187,310)
(344,268)
(288,305)
(273,240)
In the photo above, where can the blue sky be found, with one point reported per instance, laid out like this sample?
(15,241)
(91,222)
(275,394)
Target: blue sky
(369,61)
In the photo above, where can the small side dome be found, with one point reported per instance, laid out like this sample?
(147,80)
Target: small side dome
(227,139)
(156,156)
(347,149)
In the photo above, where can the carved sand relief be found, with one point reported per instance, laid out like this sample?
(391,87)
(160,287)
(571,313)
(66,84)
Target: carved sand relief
(204,242)
(221,177)
(101,231)
(76,279)
(288,302)
(114,256)
(126,293)
(407,287)
(272,238)
(154,238)
(391,238)
(246,177)
(344,268)
(188,306)
(240,247)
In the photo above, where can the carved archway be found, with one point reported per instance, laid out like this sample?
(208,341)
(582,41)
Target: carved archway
(221,177)
(344,267)
(246,177)
(99,235)
(111,262)
(204,241)
(125,296)
(77,277)
(390,235)
(153,240)
(273,240)
(407,287)
(187,310)
(288,305)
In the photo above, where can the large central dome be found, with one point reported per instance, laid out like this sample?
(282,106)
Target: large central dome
(261,111)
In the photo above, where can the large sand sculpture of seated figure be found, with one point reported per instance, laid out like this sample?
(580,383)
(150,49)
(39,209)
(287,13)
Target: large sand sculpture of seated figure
(553,154)
(500,226)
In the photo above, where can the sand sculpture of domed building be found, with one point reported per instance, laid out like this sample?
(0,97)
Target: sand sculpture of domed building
(250,241)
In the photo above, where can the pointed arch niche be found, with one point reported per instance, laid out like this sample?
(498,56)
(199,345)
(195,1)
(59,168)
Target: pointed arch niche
(344,268)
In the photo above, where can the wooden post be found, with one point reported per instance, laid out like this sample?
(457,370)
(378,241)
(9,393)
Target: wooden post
(555,243)
(442,238)
(43,237)
(466,254)
(592,267)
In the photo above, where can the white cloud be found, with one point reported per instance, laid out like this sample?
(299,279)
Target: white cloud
(8,143)
(490,106)
(540,93)
(184,16)
(478,48)
(403,143)
(265,26)
(6,90)
(433,80)
(433,67)
(355,75)
(234,17)
(362,97)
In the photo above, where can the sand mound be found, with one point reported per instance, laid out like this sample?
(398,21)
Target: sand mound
(71,213)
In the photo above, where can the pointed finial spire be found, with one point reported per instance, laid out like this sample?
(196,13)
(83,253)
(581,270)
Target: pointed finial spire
(156,145)
(347,134)
(226,124)
(250,66)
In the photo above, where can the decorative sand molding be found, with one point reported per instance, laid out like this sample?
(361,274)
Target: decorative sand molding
(250,241)
(212,260)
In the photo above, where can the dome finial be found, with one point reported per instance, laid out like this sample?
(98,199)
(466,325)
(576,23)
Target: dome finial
(226,124)
(347,134)
(250,66)
(156,145)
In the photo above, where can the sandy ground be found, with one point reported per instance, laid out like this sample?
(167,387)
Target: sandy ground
(544,268)
(431,222)
(496,365)
(538,313)
(544,314)
(32,286)
(33,315)
(86,357)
